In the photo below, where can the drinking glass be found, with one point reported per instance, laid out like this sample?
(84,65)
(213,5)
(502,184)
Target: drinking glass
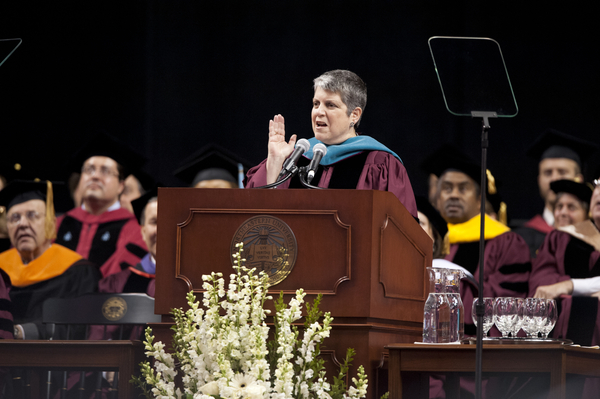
(519,321)
(551,317)
(533,312)
(488,315)
(505,314)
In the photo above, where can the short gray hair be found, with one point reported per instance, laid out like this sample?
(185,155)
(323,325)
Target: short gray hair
(349,85)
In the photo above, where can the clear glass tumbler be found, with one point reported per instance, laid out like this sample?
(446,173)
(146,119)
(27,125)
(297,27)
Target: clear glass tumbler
(519,321)
(488,315)
(533,312)
(505,314)
(551,317)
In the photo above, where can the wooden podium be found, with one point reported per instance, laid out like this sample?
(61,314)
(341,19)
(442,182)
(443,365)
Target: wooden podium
(360,248)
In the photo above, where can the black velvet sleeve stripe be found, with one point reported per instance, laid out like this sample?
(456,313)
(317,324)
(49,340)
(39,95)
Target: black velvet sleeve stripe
(515,268)
(582,320)
(124,265)
(6,305)
(136,250)
(6,325)
(577,258)
(470,329)
(517,287)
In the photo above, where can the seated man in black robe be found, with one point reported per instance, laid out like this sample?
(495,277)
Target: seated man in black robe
(38,269)
(506,255)
(507,260)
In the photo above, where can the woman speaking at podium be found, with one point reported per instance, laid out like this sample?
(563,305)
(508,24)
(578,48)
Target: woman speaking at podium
(351,160)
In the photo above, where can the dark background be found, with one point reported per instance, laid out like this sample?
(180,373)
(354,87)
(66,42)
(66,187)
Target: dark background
(168,77)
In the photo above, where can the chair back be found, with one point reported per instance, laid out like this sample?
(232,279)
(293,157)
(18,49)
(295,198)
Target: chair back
(117,309)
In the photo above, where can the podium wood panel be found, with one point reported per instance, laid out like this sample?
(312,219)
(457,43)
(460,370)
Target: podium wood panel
(360,248)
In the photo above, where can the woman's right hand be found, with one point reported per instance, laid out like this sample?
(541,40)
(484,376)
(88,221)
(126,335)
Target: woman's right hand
(279,149)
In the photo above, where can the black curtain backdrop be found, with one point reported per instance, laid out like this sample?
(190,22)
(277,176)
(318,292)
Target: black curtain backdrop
(168,77)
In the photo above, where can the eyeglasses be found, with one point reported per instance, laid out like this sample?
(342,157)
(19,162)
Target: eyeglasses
(15,218)
(596,183)
(103,171)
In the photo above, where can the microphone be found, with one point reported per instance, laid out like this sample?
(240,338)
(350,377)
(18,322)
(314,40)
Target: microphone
(301,147)
(319,151)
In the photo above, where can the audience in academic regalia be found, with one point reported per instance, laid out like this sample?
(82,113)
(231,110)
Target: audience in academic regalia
(560,157)
(38,269)
(101,230)
(567,269)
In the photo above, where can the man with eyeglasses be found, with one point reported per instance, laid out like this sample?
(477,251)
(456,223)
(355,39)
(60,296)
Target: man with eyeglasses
(101,230)
(37,268)
(567,269)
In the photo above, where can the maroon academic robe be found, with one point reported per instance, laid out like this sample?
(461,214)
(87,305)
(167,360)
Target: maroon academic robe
(563,257)
(534,232)
(112,240)
(368,170)
(6,317)
(508,265)
(6,327)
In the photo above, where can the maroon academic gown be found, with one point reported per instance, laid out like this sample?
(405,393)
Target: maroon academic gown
(6,317)
(112,240)
(368,170)
(534,232)
(563,257)
(6,323)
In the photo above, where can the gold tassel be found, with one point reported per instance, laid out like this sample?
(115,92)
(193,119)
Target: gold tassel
(446,245)
(503,214)
(50,216)
(491,182)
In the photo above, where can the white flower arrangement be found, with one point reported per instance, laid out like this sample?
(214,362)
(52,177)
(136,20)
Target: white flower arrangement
(229,355)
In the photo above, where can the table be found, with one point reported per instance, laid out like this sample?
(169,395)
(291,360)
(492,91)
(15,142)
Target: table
(40,355)
(557,360)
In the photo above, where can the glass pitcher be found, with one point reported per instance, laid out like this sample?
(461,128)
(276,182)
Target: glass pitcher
(457,309)
(436,314)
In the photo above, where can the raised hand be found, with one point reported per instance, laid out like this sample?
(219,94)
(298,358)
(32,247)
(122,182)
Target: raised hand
(279,148)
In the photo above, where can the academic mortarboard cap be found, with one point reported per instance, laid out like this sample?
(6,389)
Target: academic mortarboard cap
(436,220)
(19,191)
(555,144)
(583,191)
(452,158)
(429,164)
(140,203)
(209,163)
(103,144)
